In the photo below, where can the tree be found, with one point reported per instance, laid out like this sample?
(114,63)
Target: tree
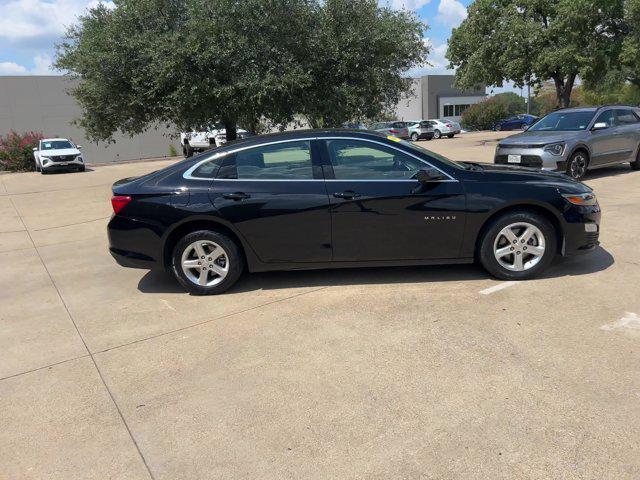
(484,115)
(534,41)
(191,63)
(358,57)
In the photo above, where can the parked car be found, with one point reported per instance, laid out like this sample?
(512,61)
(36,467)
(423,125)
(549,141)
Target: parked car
(396,129)
(516,122)
(335,198)
(58,154)
(575,140)
(445,127)
(420,130)
(199,141)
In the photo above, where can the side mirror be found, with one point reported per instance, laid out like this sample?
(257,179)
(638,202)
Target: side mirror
(35,149)
(429,175)
(600,126)
(79,147)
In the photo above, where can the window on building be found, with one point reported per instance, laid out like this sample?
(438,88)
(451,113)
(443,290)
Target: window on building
(448,110)
(459,109)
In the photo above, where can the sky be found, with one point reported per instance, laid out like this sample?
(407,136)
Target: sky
(29,29)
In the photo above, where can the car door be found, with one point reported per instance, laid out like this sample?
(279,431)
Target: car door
(275,196)
(379,211)
(605,143)
(629,131)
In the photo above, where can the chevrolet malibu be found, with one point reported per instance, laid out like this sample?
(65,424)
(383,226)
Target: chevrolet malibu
(344,198)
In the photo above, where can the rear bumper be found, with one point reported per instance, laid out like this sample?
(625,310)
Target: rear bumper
(133,243)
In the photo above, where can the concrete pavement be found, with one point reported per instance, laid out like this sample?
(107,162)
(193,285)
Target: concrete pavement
(413,373)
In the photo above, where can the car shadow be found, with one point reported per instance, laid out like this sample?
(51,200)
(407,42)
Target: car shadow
(615,170)
(158,281)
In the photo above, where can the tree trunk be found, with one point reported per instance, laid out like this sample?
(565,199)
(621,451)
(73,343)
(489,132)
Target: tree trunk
(563,90)
(231,129)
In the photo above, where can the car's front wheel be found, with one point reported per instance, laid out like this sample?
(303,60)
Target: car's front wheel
(414,137)
(518,245)
(577,165)
(437,134)
(207,262)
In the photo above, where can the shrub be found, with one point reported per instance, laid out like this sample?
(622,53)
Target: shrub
(172,150)
(16,151)
(484,115)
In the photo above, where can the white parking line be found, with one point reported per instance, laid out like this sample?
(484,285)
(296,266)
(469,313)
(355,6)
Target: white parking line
(497,288)
(630,321)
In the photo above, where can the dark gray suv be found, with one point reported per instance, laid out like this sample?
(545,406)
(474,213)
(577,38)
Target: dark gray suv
(574,140)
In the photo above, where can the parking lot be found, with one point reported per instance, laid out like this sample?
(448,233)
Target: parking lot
(412,373)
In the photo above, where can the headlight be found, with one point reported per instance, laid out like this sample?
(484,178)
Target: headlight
(554,148)
(585,199)
(44,160)
(79,157)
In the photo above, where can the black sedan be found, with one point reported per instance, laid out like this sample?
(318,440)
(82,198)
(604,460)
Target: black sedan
(344,198)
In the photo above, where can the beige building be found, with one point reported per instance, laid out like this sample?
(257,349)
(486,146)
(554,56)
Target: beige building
(42,104)
(434,96)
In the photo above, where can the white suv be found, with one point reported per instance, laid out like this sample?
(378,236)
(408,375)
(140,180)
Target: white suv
(58,154)
(214,136)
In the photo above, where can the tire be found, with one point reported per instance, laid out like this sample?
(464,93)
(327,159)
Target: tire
(498,127)
(43,171)
(451,135)
(414,137)
(187,150)
(437,134)
(496,239)
(82,168)
(635,165)
(223,271)
(578,165)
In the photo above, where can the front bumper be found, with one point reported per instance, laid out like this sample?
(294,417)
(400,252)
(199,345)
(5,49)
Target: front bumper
(582,230)
(71,164)
(530,157)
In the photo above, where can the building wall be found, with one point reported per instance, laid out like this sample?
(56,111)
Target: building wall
(410,108)
(439,89)
(41,103)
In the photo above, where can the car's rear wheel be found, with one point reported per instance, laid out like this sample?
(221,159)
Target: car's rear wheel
(207,262)
(451,135)
(635,165)
(498,127)
(414,137)
(518,246)
(437,134)
(577,165)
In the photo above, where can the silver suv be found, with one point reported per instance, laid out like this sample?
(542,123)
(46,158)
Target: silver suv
(574,140)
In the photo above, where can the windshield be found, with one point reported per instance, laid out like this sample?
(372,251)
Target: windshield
(56,144)
(563,121)
(437,156)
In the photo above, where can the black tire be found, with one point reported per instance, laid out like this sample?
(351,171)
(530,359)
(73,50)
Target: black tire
(437,134)
(187,150)
(635,165)
(492,237)
(43,171)
(497,128)
(451,135)
(578,165)
(233,255)
(414,137)
(82,168)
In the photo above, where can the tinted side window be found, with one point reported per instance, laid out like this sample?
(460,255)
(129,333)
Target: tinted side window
(357,160)
(626,117)
(281,161)
(607,117)
(208,169)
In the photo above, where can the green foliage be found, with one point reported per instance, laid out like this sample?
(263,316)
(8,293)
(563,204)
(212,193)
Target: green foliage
(536,40)
(16,151)
(172,150)
(190,63)
(485,114)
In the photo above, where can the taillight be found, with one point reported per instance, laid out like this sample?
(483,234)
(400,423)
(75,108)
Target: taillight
(448,125)
(118,202)
(393,131)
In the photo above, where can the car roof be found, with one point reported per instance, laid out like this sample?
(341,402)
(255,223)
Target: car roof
(55,139)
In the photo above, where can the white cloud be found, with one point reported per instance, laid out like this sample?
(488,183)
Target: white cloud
(406,4)
(28,20)
(12,68)
(438,62)
(451,13)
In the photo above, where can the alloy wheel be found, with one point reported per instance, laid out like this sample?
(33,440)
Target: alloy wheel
(205,263)
(414,137)
(436,134)
(519,246)
(578,166)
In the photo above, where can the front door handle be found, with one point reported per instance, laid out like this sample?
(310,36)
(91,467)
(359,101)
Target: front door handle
(348,195)
(236,196)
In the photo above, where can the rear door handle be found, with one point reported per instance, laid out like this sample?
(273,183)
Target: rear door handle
(348,195)
(236,196)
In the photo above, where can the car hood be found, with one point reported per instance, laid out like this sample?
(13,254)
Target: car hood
(59,152)
(540,138)
(510,173)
